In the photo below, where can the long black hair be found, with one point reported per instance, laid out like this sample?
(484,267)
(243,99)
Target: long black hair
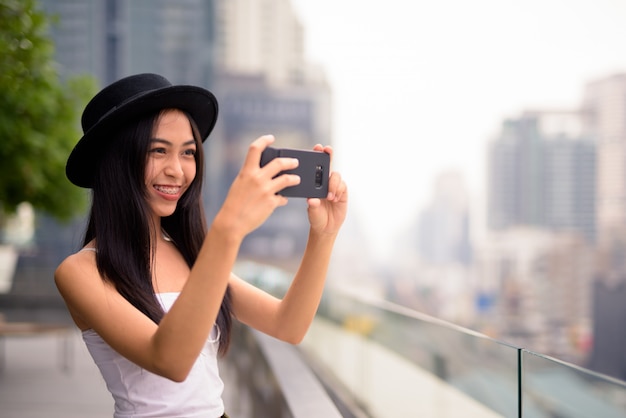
(120,221)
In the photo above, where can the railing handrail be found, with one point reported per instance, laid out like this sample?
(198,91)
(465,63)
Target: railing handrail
(411,313)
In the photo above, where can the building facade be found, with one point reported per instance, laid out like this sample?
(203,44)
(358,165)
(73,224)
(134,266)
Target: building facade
(260,37)
(111,39)
(443,230)
(537,285)
(541,173)
(250,54)
(604,106)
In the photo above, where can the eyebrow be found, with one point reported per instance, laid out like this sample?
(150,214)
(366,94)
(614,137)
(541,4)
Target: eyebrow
(166,142)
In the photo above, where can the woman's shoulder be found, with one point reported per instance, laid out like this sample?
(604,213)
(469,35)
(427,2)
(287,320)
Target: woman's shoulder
(81,263)
(80,284)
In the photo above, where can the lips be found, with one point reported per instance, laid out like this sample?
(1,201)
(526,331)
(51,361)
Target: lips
(167,191)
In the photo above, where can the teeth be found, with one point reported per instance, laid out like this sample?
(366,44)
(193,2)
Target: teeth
(167,190)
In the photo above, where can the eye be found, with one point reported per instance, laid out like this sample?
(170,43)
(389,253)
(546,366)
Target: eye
(190,152)
(158,150)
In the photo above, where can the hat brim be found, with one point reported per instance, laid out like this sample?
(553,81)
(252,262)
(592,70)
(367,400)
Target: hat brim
(199,103)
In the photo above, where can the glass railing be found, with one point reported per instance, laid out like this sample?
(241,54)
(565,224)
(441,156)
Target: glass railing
(558,389)
(398,362)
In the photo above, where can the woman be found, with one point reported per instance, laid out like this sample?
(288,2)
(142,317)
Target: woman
(152,289)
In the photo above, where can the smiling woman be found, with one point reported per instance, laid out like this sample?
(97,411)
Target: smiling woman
(152,273)
(171,165)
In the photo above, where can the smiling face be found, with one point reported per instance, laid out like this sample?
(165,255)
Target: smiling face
(171,163)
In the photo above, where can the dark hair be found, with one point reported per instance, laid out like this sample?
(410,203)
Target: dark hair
(120,221)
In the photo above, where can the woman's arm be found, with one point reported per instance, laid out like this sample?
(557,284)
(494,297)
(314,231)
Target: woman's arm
(289,319)
(170,348)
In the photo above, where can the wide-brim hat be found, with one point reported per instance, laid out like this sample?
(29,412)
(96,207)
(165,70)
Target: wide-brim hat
(128,99)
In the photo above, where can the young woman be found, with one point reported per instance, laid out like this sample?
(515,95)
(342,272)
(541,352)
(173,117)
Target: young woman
(152,289)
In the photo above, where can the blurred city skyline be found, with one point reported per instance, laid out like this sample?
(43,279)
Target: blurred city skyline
(414,101)
(422,88)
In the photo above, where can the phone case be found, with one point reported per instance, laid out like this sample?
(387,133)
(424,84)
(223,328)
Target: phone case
(313,169)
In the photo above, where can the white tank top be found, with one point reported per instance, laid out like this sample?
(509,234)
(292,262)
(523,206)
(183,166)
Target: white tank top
(140,393)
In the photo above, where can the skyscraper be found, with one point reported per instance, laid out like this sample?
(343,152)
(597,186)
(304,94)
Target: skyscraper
(542,174)
(444,235)
(250,54)
(604,104)
(260,37)
(114,38)
(265,85)
(604,107)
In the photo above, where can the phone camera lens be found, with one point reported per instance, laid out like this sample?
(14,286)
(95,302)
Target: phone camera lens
(318,176)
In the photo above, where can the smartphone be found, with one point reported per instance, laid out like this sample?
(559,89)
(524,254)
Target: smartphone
(313,169)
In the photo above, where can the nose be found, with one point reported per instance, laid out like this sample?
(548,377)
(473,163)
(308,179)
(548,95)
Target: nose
(174,168)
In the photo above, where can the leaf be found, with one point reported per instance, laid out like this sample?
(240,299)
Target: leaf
(39,115)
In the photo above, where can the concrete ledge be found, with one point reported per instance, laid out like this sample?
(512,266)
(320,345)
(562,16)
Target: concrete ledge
(301,389)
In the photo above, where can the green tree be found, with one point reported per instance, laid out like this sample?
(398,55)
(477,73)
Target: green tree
(39,115)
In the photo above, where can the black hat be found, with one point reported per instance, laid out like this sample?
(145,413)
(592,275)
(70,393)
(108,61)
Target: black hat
(125,100)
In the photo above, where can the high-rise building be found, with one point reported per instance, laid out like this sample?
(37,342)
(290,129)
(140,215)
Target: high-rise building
(604,106)
(513,175)
(265,85)
(260,37)
(249,53)
(443,233)
(114,38)
(609,336)
(542,171)
(537,285)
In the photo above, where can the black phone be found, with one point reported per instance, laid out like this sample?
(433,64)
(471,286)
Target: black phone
(313,169)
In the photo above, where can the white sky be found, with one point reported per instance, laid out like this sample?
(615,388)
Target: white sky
(421,86)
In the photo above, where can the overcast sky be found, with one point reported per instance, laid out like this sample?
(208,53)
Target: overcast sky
(421,86)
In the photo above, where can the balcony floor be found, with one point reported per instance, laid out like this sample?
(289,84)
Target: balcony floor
(34,381)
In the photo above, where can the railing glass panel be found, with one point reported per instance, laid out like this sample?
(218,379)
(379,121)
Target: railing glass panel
(552,388)
(400,363)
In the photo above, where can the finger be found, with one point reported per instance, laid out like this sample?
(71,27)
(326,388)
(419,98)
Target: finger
(284,181)
(313,202)
(255,149)
(341,195)
(333,185)
(327,149)
(274,167)
(281,200)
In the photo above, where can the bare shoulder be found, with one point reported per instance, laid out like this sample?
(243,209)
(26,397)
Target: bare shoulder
(77,267)
(81,286)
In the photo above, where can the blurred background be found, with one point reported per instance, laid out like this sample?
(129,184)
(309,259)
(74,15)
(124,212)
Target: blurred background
(484,144)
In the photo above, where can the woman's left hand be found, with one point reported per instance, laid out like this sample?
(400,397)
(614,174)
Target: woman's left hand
(327,215)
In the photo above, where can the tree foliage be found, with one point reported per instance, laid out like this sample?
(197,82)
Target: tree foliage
(39,115)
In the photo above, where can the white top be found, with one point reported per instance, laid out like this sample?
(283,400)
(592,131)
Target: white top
(140,393)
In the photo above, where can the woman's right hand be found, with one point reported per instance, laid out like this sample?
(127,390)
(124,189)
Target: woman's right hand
(253,196)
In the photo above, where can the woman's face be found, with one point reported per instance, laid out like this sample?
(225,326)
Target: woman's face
(171,165)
